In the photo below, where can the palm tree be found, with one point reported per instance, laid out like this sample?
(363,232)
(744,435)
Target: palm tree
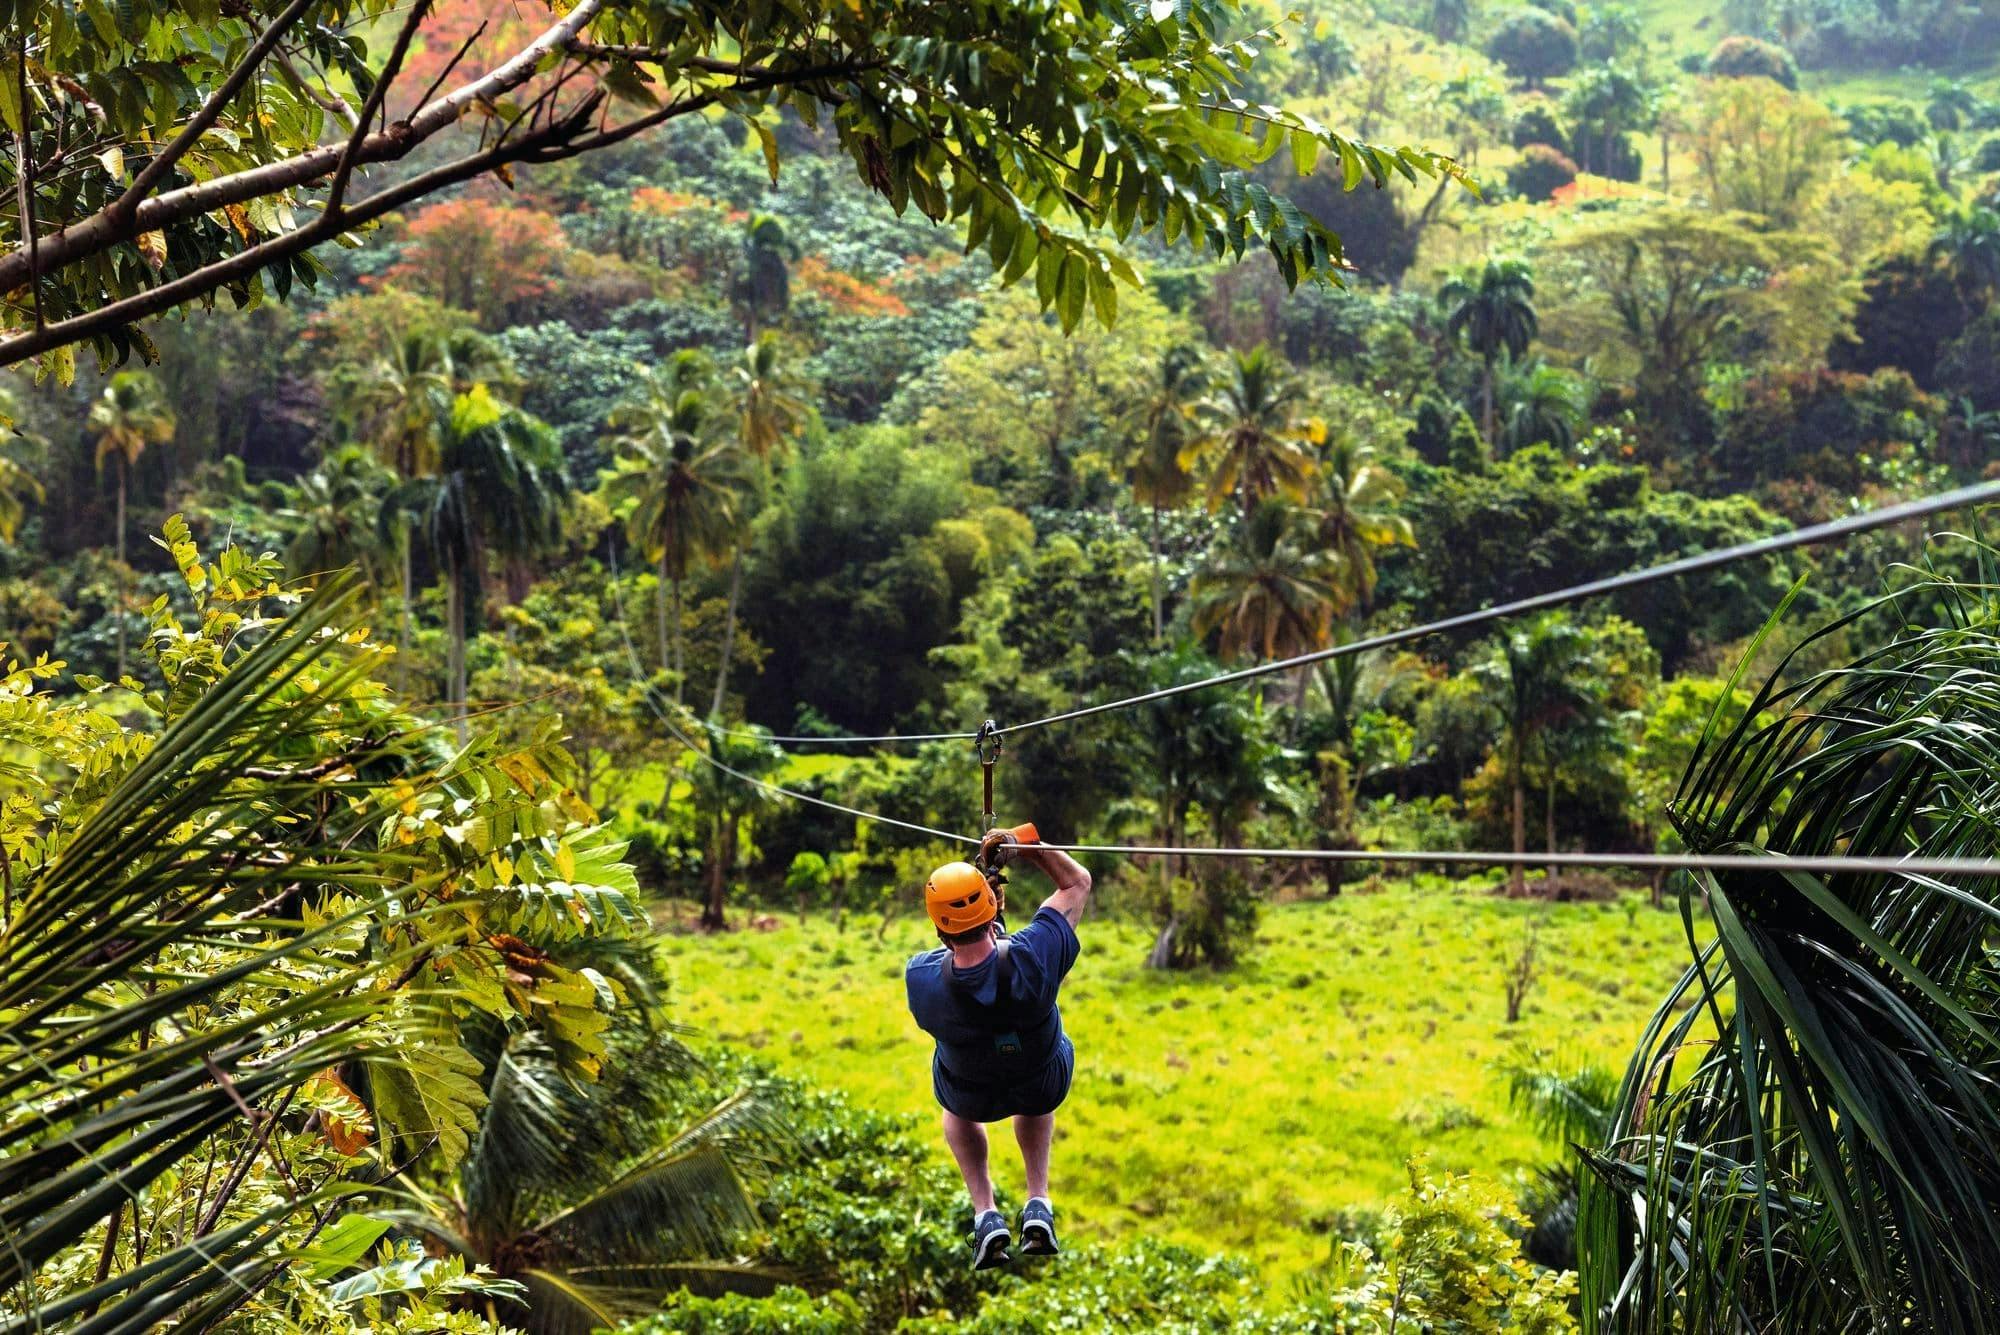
(1355,516)
(1968,246)
(1543,405)
(130,414)
(1267,594)
(586,1195)
(1808,1135)
(724,802)
(335,513)
(1251,434)
(770,411)
(400,405)
(1494,312)
(498,488)
(679,481)
(1539,681)
(1154,470)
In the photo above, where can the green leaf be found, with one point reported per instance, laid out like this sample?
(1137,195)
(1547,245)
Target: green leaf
(343,1244)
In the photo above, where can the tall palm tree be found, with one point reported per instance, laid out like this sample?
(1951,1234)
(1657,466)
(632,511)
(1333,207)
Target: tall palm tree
(400,405)
(770,412)
(1807,1137)
(1153,470)
(130,414)
(1493,311)
(498,488)
(1539,679)
(1268,593)
(680,481)
(1355,515)
(1251,434)
(334,512)
(587,1195)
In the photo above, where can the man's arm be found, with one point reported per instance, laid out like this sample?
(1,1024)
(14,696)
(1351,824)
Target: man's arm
(1072,881)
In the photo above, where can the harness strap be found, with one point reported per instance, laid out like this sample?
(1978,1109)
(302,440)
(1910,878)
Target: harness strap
(1003,975)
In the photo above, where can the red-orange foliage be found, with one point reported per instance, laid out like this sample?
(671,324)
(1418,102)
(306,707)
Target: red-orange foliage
(481,255)
(452,23)
(845,292)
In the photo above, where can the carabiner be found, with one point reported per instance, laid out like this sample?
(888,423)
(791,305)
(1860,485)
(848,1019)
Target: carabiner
(986,743)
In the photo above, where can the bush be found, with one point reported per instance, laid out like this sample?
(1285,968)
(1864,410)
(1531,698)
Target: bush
(1204,919)
(1987,159)
(1534,46)
(788,1311)
(1537,124)
(1872,123)
(1541,172)
(1749,58)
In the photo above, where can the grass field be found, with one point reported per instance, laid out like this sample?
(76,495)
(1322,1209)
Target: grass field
(1238,1110)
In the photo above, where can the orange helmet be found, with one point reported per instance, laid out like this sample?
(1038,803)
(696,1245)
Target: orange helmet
(959,898)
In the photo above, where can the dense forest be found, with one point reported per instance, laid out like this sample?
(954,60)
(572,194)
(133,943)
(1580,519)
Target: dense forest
(376,624)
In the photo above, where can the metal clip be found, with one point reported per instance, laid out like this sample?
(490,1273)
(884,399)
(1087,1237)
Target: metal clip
(986,742)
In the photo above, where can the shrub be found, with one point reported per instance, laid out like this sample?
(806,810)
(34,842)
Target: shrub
(1987,159)
(1749,58)
(1541,172)
(1534,46)
(1537,124)
(788,1311)
(1204,919)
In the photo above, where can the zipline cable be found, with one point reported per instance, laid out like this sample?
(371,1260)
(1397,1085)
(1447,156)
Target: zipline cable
(750,734)
(1833,864)
(1801,537)
(1818,863)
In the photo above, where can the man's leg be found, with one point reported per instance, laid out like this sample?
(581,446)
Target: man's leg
(1034,1135)
(968,1145)
(1038,1218)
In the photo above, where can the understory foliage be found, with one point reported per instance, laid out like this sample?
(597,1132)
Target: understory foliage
(253,915)
(1808,1135)
(869,1233)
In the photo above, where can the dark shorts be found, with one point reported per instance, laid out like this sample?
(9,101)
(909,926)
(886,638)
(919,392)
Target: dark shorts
(1039,1094)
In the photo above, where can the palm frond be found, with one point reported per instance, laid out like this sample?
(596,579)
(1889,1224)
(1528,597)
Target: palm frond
(1826,1154)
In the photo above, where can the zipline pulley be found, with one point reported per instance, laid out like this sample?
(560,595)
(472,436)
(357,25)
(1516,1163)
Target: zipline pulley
(987,743)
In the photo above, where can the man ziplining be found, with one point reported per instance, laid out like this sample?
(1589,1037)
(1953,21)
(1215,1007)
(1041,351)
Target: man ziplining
(989,1001)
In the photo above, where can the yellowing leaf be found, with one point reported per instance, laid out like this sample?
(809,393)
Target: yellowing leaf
(153,248)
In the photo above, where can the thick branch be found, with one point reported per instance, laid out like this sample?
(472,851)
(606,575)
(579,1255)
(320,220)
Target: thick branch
(373,102)
(104,229)
(209,112)
(556,141)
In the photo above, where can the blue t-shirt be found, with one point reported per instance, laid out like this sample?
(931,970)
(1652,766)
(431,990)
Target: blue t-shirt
(982,1037)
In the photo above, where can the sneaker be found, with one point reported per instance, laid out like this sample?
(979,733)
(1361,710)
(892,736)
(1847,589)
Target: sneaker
(990,1241)
(1038,1228)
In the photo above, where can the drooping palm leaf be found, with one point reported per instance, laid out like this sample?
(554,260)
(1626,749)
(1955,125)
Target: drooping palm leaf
(1808,1137)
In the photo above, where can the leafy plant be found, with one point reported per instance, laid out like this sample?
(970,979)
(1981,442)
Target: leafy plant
(252,936)
(1808,1135)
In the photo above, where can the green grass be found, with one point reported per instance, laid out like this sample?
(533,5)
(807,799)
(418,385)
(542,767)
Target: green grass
(1237,1110)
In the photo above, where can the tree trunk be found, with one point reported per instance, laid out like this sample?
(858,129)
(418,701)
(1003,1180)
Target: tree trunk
(409,594)
(455,662)
(1159,582)
(728,632)
(660,615)
(1549,819)
(1517,881)
(1486,402)
(124,590)
(840,905)
(718,884)
(1162,954)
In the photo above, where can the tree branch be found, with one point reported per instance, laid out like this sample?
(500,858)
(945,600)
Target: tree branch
(106,228)
(377,91)
(209,112)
